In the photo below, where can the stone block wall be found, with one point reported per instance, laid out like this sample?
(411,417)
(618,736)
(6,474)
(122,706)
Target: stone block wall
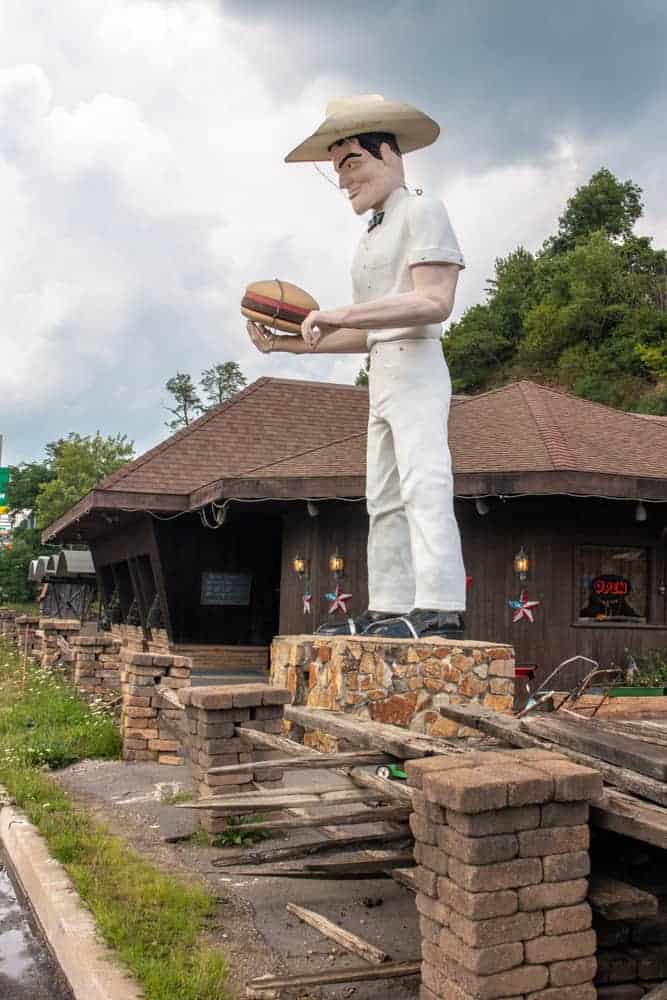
(213,713)
(96,664)
(152,725)
(47,650)
(502,847)
(400,681)
(632,953)
(8,625)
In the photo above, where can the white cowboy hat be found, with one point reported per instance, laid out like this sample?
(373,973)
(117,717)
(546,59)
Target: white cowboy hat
(347,116)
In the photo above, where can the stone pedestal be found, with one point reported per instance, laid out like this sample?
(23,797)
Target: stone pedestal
(8,625)
(213,713)
(47,649)
(152,727)
(502,849)
(400,681)
(96,664)
(26,627)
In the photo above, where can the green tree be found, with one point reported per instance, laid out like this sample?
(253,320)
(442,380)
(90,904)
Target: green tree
(362,375)
(221,381)
(79,463)
(25,480)
(187,403)
(604,203)
(588,312)
(14,562)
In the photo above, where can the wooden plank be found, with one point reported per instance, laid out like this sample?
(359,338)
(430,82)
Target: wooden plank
(390,970)
(380,859)
(399,742)
(405,877)
(631,817)
(309,763)
(616,900)
(623,751)
(346,939)
(385,788)
(392,814)
(267,741)
(272,855)
(506,727)
(230,805)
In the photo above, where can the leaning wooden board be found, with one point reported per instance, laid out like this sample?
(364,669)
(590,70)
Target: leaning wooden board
(597,741)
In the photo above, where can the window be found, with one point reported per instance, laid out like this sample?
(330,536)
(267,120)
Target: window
(613,583)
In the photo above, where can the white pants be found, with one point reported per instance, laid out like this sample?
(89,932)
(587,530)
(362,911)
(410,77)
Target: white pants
(414,546)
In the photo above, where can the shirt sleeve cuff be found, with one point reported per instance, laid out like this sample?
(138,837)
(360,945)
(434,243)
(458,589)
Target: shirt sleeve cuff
(436,255)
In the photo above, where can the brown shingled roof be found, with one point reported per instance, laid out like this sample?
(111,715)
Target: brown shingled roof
(292,438)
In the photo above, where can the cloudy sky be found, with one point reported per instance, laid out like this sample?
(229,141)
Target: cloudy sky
(142,182)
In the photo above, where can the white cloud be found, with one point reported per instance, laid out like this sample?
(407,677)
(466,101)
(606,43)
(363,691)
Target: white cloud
(142,186)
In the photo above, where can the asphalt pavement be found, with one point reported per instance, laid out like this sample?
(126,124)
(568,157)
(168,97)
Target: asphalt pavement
(27,971)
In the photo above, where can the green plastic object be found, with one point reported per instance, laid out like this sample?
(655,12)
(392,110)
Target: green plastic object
(636,692)
(392,771)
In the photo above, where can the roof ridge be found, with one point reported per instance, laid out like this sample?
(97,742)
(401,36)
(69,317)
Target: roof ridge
(191,428)
(551,434)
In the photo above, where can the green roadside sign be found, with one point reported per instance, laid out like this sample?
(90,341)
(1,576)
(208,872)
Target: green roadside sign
(4,483)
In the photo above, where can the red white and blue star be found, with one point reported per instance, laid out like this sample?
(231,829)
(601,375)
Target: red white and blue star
(523,608)
(339,600)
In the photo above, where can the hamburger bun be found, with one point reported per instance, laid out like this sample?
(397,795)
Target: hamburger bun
(278,304)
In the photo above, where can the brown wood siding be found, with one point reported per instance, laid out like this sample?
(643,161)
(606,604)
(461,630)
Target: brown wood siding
(549,528)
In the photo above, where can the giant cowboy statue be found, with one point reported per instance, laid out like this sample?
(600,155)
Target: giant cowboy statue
(404,278)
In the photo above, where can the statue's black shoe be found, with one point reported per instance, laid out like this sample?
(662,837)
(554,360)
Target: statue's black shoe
(420,623)
(353,626)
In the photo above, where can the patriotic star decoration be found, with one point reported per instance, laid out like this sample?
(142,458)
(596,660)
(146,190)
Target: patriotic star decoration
(339,600)
(307,599)
(523,608)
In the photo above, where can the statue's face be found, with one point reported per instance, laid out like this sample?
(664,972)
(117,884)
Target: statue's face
(367,180)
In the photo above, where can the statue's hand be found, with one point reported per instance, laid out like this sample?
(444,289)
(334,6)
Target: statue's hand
(314,327)
(262,337)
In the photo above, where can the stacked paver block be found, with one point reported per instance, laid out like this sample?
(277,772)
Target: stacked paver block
(400,681)
(152,727)
(159,641)
(213,713)
(8,625)
(502,850)
(96,664)
(26,626)
(47,649)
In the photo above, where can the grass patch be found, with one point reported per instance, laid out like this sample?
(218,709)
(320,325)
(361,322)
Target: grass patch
(652,668)
(157,925)
(175,798)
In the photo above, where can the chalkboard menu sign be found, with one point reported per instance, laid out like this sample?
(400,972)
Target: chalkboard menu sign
(225,588)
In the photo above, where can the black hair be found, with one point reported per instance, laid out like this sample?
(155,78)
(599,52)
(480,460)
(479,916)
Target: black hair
(371,142)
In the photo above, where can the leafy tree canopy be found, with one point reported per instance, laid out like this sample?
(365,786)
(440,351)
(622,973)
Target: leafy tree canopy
(587,312)
(25,480)
(216,385)
(221,382)
(78,463)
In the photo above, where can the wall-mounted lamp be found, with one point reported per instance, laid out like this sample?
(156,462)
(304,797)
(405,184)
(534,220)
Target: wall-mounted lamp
(312,508)
(521,563)
(641,513)
(481,506)
(336,564)
(299,565)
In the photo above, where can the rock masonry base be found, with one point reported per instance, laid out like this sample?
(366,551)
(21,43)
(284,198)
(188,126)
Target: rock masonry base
(399,681)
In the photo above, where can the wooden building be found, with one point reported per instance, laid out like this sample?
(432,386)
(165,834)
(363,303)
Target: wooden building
(203,530)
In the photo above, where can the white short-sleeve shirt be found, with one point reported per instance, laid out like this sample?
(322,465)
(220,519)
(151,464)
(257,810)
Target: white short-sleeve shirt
(415,229)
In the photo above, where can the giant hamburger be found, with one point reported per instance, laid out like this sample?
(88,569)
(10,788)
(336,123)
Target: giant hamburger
(278,304)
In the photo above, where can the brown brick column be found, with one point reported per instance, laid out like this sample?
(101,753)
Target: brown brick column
(96,664)
(8,625)
(212,715)
(26,626)
(151,724)
(46,650)
(502,850)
